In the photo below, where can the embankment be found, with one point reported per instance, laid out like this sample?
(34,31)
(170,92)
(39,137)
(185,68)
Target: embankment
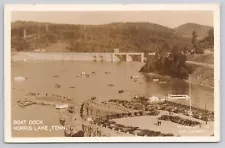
(203,76)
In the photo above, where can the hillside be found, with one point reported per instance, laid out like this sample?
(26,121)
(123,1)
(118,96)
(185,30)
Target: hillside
(128,37)
(203,76)
(186,30)
(205,58)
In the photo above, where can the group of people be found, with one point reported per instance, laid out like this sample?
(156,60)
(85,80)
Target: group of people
(159,123)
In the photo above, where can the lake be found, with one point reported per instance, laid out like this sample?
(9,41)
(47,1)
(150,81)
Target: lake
(40,79)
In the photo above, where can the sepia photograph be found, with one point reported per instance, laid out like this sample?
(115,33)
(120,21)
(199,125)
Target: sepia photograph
(112,73)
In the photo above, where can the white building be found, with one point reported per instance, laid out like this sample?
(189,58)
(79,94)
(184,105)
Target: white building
(116,50)
(155,99)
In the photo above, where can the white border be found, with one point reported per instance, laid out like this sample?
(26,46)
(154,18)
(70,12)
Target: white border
(112,7)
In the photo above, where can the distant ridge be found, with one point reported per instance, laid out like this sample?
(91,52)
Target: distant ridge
(128,37)
(186,30)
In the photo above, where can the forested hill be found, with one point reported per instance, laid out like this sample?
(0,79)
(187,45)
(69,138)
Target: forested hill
(128,37)
(186,30)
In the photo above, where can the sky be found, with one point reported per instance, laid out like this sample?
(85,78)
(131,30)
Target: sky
(169,19)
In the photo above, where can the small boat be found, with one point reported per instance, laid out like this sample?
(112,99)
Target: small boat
(155,80)
(57,85)
(72,87)
(68,98)
(134,77)
(20,78)
(178,97)
(61,106)
(120,91)
(162,82)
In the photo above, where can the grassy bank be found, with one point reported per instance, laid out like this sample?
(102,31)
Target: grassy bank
(193,80)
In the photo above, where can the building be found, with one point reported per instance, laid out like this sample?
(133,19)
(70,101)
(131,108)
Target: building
(116,50)
(155,99)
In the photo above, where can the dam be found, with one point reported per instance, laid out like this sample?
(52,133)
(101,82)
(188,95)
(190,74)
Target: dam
(68,56)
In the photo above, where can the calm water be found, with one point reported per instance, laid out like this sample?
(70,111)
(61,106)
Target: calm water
(40,79)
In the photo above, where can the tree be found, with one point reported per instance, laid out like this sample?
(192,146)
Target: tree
(210,37)
(194,40)
(194,43)
(194,37)
(173,64)
(165,47)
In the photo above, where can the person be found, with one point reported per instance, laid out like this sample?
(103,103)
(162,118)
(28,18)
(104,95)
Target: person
(159,123)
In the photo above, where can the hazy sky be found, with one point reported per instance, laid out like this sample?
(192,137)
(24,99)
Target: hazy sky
(170,19)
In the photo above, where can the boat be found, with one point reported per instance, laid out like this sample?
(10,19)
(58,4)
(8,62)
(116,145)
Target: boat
(61,106)
(162,82)
(134,77)
(155,80)
(55,76)
(57,86)
(120,91)
(177,97)
(20,78)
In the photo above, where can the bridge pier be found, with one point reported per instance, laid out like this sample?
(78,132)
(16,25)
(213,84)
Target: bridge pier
(95,57)
(112,57)
(142,57)
(127,57)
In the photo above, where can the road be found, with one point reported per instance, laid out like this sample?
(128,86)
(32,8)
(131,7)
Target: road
(201,64)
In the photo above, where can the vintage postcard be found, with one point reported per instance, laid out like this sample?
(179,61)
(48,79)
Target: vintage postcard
(112,73)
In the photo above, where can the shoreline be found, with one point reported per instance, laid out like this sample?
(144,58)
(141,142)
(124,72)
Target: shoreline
(187,81)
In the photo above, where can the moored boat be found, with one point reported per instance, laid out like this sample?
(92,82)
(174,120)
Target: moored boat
(134,77)
(61,106)
(177,97)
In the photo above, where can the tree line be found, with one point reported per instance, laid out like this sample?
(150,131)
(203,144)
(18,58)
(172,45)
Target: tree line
(128,37)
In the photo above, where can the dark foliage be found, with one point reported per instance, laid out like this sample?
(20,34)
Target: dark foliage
(171,64)
(208,41)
